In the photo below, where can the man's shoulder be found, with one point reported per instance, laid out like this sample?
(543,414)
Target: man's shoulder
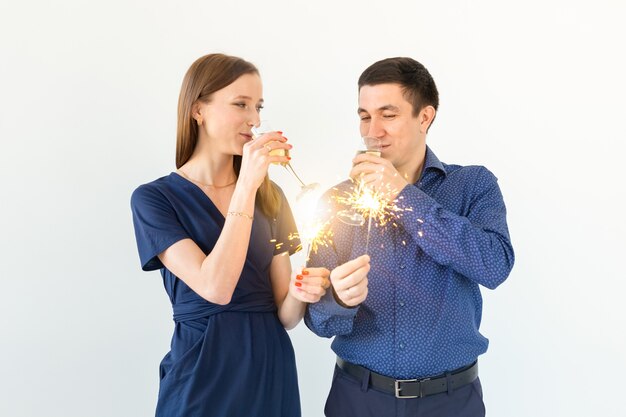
(468,172)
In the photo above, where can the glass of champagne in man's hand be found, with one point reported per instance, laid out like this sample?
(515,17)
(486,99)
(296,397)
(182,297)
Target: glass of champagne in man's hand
(351,216)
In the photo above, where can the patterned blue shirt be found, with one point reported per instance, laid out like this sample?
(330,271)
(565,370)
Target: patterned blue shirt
(423,309)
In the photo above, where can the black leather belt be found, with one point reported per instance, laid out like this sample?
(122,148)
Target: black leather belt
(412,388)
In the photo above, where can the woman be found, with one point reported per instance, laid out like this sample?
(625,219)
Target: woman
(221,232)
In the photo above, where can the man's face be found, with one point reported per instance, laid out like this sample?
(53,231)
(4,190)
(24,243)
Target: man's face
(387,120)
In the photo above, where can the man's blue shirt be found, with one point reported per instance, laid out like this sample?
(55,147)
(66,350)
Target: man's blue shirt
(423,309)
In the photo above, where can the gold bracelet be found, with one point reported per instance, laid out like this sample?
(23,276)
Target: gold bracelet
(240,214)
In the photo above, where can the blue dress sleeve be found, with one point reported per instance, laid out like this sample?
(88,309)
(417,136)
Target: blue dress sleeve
(156,225)
(285,230)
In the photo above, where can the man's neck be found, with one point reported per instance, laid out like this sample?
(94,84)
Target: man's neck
(412,169)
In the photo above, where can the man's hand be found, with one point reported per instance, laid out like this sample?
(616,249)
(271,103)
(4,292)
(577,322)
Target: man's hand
(349,281)
(379,174)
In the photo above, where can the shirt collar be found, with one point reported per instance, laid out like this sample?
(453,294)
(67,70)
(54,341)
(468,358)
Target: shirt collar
(431,162)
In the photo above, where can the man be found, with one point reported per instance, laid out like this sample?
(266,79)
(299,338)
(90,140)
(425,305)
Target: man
(407,332)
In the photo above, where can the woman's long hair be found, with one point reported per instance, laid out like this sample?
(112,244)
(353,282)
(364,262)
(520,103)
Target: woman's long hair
(207,75)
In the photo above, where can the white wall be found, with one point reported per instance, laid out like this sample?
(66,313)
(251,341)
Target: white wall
(534,90)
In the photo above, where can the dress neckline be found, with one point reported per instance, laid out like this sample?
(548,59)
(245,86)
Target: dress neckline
(194,186)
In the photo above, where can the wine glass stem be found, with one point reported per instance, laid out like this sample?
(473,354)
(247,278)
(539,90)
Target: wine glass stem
(288,167)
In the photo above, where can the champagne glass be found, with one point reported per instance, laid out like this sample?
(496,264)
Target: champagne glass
(264,127)
(351,216)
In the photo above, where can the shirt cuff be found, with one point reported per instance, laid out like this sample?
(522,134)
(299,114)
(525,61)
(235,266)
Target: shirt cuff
(333,307)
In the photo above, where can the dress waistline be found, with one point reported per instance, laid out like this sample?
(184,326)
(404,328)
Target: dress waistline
(201,309)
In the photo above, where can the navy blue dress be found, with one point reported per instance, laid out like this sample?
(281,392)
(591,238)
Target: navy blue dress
(231,360)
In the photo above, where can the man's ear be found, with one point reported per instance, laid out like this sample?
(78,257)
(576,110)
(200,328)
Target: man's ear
(426,117)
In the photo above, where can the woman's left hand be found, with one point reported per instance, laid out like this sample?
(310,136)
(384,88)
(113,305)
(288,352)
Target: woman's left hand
(310,284)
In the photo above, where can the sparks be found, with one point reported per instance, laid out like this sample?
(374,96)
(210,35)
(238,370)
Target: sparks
(313,225)
(315,234)
(364,202)
(369,203)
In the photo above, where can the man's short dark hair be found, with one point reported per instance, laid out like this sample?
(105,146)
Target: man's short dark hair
(417,84)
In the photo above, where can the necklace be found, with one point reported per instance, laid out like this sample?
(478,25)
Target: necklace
(206,185)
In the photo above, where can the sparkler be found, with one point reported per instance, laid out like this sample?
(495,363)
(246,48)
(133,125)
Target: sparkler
(367,202)
(315,234)
(314,227)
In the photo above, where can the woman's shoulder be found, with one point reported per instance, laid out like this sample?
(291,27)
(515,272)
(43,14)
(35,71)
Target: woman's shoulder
(153,191)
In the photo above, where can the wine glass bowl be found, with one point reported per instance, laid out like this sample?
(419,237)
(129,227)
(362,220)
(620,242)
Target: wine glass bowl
(264,127)
(351,217)
(369,152)
(372,144)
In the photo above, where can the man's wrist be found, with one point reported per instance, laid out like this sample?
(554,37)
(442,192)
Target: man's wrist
(338,300)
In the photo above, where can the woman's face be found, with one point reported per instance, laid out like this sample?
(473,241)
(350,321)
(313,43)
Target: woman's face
(231,113)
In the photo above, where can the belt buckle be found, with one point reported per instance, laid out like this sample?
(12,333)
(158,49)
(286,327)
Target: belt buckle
(397,383)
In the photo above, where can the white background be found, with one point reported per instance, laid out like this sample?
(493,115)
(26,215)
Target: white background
(88,91)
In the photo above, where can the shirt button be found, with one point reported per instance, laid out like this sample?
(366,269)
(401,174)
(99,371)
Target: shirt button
(401,345)
(401,303)
(402,266)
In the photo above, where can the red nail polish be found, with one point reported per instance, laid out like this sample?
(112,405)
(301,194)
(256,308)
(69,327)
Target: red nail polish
(289,158)
(279,132)
(305,272)
(298,276)
(298,284)
(284,137)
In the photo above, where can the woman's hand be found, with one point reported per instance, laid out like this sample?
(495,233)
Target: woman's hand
(256,158)
(310,284)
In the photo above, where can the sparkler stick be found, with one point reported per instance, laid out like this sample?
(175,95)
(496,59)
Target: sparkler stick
(367,240)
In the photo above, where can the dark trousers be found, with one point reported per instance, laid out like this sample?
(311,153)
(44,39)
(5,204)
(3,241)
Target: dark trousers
(349,397)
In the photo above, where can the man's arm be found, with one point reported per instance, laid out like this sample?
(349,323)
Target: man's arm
(334,313)
(477,246)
